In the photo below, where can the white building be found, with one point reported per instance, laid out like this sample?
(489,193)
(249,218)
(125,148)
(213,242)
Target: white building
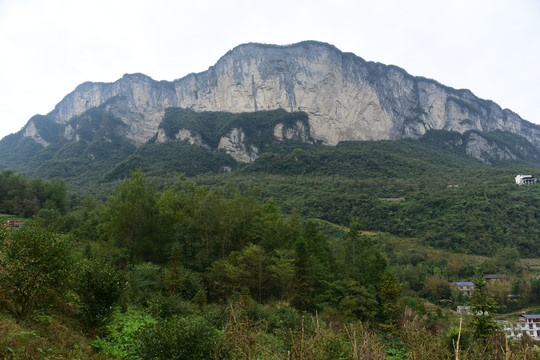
(525,179)
(529,324)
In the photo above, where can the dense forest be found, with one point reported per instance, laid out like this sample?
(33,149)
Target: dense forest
(404,188)
(221,271)
(175,251)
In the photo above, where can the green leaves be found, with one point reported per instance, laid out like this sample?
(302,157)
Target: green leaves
(34,266)
(23,196)
(483,308)
(189,338)
(99,286)
(131,217)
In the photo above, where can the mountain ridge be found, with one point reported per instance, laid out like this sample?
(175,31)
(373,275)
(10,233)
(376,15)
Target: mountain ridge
(330,96)
(346,97)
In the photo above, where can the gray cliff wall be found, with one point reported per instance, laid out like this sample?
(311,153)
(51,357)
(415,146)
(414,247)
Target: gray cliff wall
(345,97)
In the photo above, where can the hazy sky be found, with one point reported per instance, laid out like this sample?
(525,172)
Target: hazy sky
(48,47)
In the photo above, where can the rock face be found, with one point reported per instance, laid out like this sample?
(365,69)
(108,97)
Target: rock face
(488,150)
(345,97)
(183,135)
(481,149)
(31,131)
(488,147)
(235,145)
(299,132)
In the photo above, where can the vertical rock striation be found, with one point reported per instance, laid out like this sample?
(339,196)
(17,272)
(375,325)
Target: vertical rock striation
(345,97)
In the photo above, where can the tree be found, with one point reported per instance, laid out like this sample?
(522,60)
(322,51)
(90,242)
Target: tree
(358,301)
(282,270)
(365,263)
(176,279)
(483,307)
(507,259)
(35,264)
(352,241)
(389,296)
(254,262)
(56,195)
(130,218)
(191,338)
(99,286)
(304,296)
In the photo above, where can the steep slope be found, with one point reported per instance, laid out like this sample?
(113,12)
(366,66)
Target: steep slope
(193,143)
(94,144)
(492,148)
(345,97)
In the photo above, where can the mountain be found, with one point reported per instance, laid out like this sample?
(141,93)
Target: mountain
(341,96)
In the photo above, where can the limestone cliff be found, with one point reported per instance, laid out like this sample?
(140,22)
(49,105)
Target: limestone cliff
(481,149)
(345,97)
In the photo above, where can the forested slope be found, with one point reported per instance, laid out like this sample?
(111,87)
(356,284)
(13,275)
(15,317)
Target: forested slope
(189,272)
(405,187)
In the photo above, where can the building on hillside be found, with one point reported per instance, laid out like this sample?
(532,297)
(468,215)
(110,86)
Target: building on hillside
(525,324)
(465,287)
(525,179)
(490,277)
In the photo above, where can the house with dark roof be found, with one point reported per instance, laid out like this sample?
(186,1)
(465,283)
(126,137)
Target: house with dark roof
(525,179)
(525,324)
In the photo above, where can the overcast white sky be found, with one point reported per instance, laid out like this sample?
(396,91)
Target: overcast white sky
(48,47)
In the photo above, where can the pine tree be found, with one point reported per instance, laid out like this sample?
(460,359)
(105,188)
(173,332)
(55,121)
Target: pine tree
(483,306)
(303,298)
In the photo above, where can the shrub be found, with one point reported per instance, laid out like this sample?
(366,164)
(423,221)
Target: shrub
(100,286)
(122,330)
(165,305)
(143,281)
(189,338)
(34,266)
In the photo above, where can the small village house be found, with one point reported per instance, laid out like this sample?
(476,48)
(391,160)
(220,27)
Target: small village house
(529,324)
(525,179)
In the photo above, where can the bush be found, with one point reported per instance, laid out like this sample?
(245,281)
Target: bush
(100,286)
(122,331)
(143,280)
(34,267)
(189,338)
(165,305)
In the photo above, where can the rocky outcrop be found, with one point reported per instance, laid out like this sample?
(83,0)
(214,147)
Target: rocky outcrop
(488,147)
(480,148)
(345,97)
(70,132)
(235,145)
(183,135)
(31,131)
(298,132)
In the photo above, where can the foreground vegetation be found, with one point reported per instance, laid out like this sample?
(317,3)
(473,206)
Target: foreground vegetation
(187,272)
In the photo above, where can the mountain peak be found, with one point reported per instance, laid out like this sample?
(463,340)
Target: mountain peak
(345,97)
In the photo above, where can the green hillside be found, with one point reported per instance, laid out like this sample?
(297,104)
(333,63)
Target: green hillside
(447,199)
(427,188)
(191,272)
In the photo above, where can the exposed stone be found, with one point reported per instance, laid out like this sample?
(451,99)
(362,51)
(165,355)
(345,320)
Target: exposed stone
(345,97)
(69,132)
(183,135)
(480,148)
(299,132)
(162,137)
(234,144)
(31,132)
